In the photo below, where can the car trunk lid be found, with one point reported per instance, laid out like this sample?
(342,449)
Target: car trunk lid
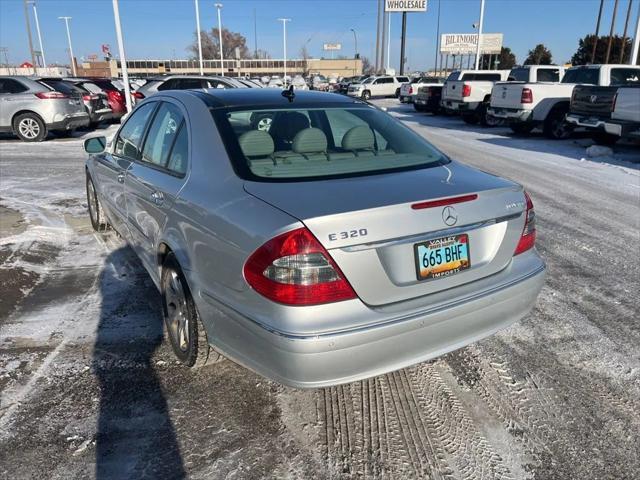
(593,101)
(508,95)
(372,225)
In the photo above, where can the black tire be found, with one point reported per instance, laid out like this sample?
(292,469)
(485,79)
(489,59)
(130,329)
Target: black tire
(96,213)
(470,118)
(29,127)
(605,139)
(555,127)
(521,128)
(185,330)
(366,95)
(397,94)
(418,108)
(487,120)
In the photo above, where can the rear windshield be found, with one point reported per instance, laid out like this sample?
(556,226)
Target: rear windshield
(105,84)
(519,75)
(625,76)
(317,143)
(61,86)
(486,77)
(582,75)
(453,76)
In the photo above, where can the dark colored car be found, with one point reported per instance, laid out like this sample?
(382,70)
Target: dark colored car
(95,101)
(428,99)
(343,86)
(115,95)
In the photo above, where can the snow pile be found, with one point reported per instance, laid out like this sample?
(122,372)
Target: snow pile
(599,151)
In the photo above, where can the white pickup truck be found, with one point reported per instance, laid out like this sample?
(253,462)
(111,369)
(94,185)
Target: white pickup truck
(608,113)
(468,92)
(525,106)
(408,91)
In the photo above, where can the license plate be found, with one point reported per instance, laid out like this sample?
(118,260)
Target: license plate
(442,257)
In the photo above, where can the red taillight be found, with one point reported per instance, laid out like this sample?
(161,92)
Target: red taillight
(466,90)
(90,97)
(526,96)
(528,237)
(51,95)
(295,269)
(444,202)
(410,90)
(137,95)
(115,94)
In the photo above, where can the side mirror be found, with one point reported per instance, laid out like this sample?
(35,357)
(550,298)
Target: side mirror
(95,144)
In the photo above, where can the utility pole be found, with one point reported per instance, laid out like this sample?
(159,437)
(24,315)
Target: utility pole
(624,35)
(636,42)
(402,41)
(198,33)
(219,7)
(389,41)
(255,35)
(480,34)
(123,58)
(35,15)
(613,22)
(355,40)
(33,57)
(377,65)
(284,45)
(595,40)
(73,62)
(435,68)
(383,44)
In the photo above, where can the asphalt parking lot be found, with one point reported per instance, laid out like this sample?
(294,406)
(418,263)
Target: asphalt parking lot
(88,388)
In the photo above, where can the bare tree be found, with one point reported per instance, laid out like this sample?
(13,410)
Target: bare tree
(304,55)
(367,68)
(211,44)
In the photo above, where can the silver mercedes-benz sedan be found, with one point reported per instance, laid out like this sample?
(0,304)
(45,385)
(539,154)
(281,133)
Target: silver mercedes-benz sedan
(311,237)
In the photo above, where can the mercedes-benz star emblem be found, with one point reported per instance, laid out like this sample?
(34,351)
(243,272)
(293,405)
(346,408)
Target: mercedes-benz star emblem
(449,216)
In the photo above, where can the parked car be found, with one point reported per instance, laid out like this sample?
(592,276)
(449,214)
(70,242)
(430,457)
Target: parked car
(468,92)
(408,91)
(184,82)
(379,86)
(308,271)
(115,96)
(30,109)
(96,103)
(429,99)
(343,86)
(609,113)
(525,106)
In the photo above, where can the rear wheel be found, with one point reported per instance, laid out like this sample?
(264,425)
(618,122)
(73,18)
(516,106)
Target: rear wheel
(397,94)
(521,128)
(366,95)
(186,333)
(418,108)
(29,127)
(555,127)
(96,214)
(603,138)
(470,118)
(487,120)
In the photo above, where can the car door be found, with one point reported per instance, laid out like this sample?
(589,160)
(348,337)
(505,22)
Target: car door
(155,179)
(110,168)
(12,100)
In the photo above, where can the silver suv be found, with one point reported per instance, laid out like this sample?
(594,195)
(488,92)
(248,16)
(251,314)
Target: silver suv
(185,82)
(31,109)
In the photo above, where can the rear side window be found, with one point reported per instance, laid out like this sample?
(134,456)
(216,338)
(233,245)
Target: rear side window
(487,77)
(179,155)
(453,76)
(582,75)
(130,137)
(182,84)
(61,86)
(215,84)
(162,133)
(91,87)
(548,75)
(625,76)
(9,85)
(402,79)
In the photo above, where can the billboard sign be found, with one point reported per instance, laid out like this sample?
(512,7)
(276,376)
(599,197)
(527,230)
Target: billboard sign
(332,46)
(405,5)
(465,43)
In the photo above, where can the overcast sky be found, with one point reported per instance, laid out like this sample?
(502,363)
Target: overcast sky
(157,29)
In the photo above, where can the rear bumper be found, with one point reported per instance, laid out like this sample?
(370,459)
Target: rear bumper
(71,121)
(458,106)
(619,128)
(587,122)
(102,115)
(404,338)
(511,115)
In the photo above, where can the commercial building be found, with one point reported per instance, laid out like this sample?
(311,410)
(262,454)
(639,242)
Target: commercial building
(232,68)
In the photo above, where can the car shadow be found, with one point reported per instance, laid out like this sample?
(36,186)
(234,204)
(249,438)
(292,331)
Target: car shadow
(135,436)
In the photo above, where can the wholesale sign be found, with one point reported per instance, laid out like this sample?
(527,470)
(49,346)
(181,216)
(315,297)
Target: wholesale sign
(332,46)
(466,43)
(405,5)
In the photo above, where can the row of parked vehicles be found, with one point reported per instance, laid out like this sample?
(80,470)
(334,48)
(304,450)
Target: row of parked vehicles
(604,99)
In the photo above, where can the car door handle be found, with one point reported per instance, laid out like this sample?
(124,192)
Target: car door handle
(121,178)
(157,197)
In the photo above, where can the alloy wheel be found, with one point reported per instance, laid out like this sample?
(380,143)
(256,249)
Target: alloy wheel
(29,128)
(177,312)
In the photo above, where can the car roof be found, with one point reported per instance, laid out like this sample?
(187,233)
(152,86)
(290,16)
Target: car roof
(261,97)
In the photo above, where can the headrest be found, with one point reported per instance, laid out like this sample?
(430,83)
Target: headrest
(288,124)
(310,140)
(256,143)
(358,138)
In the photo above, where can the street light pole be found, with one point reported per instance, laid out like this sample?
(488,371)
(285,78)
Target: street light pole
(284,45)
(73,63)
(355,40)
(123,58)
(479,34)
(26,17)
(35,14)
(199,36)
(219,7)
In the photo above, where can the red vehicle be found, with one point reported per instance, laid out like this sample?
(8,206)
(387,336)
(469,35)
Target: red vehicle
(115,95)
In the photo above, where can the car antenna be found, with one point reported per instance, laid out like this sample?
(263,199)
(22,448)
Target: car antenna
(288,93)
